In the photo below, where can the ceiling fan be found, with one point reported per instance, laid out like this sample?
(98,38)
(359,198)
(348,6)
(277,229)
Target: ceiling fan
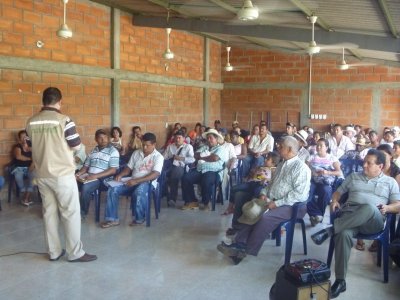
(343,65)
(228,67)
(313,48)
(248,11)
(64,31)
(168,54)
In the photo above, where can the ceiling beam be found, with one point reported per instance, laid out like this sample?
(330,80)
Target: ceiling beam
(308,12)
(364,41)
(388,17)
(225,6)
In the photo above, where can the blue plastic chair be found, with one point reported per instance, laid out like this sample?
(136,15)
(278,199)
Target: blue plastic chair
(289,226)
(350,165)
(383,238)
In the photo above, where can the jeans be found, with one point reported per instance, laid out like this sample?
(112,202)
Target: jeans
(316,207)
(140,197)
(174,176)
(206,180)
(19,174)
(1,182)
(86,194)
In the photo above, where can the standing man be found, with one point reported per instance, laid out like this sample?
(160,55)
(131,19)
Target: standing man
(177,156)
(54,138)
(371,195)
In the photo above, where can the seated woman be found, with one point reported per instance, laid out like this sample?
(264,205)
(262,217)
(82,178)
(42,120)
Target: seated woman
(116,138)
(324,169)
(22,163)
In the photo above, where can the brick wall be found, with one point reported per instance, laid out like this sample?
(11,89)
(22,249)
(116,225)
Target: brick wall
(24,22)
(156,107)
(86,100)
(344,96)
(142,50)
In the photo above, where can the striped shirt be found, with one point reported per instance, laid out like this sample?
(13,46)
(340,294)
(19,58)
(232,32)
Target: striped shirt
(100,160)
(215,166)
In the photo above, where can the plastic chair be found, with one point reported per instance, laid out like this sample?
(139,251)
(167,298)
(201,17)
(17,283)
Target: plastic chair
(383,244)
(289,226)
(350,165)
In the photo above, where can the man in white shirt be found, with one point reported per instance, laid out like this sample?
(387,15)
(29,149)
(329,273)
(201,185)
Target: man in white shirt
(338,142)
(177,156)
(145,165)
(259,146)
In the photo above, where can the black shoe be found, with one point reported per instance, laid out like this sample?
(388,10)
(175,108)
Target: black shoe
(236,260)
(85,258)
(338,287)
(232,250)
(322,235)
(58,257)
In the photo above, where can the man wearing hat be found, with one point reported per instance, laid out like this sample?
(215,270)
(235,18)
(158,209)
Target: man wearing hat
(211,161)
(301,136)
(101,163)
(177,156)
(290,184)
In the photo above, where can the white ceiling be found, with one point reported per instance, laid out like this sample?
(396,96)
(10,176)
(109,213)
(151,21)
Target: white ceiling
(283,25)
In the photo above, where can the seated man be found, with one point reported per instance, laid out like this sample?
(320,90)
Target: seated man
(371,195)
(145,165)
(210,163)
(101,163)
(259,145)
(177,156)
(290,184)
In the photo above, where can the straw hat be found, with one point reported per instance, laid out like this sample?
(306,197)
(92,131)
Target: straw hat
(302,135)
(252,211)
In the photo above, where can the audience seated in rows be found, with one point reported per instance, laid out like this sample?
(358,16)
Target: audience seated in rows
(339,143)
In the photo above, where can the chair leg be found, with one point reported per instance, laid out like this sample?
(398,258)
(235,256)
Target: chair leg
(303,231)
(330,252)
(148,210)
(289,242)
(97,205)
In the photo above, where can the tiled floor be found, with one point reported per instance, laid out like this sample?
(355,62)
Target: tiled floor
(176,258)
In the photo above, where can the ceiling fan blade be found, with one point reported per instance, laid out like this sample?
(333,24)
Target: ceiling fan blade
(339,46)
(362,64)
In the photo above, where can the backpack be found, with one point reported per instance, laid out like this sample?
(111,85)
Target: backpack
(394,251)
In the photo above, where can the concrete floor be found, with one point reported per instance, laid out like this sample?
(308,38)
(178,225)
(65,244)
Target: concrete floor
(176,258)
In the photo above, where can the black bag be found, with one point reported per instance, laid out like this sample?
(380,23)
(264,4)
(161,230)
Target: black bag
(394,251)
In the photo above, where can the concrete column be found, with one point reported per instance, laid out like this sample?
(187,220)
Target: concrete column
(206,77)
(375,120)
(115,64)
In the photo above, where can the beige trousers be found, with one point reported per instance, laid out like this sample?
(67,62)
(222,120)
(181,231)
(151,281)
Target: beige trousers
(60,198)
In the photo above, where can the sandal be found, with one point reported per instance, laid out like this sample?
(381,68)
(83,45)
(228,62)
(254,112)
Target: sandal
(373,247)
(109,224)
(360,246)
